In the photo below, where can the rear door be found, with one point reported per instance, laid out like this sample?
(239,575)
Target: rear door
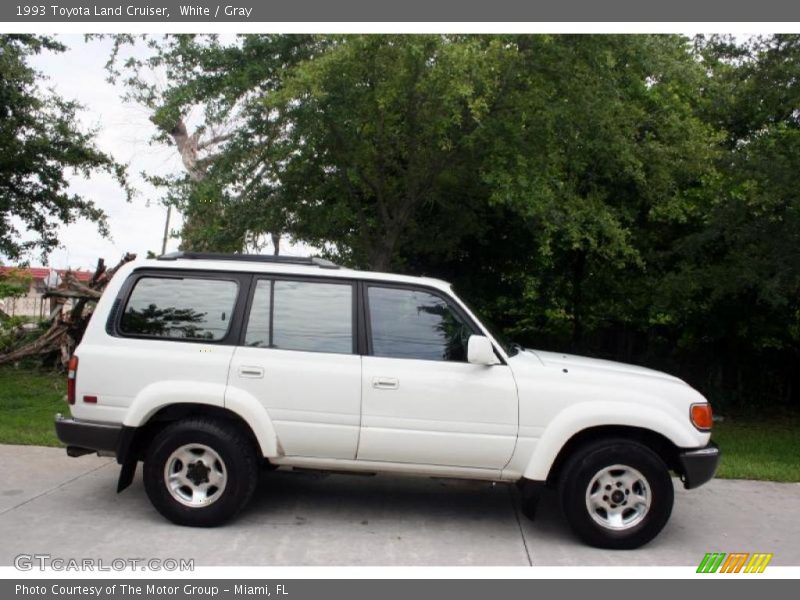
(422,401)
(298,358)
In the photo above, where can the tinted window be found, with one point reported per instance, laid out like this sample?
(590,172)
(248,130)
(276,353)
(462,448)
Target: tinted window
(302,315)
(258,327)
(415,324)
(187,309)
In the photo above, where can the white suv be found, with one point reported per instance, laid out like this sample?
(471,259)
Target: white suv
(208,366)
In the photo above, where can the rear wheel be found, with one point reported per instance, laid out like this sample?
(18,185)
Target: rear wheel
(200,472)
(616,494)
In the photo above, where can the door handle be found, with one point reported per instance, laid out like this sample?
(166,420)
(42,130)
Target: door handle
(254,372)
(385,383)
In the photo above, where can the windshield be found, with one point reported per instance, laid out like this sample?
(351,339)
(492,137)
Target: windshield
(509,347)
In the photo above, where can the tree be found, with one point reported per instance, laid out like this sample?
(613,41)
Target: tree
(625,196)
(39,141)
(376,129)
(227,189)
(736,279)
(253,101)
(14,283)
(598,146)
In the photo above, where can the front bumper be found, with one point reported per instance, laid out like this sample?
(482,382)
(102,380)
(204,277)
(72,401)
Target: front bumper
(698,465)
(83,437)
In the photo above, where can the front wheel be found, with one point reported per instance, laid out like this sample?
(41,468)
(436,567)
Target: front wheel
(200,472)
(616,494)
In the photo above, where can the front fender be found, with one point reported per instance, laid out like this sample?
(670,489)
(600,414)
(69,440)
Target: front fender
(585,415)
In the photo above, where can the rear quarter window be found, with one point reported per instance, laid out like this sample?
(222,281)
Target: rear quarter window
(179,308)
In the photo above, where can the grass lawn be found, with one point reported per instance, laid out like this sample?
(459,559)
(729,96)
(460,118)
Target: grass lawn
(29,399)
(752,448)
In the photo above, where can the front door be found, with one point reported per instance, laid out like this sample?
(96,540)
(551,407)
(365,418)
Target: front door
(422,402)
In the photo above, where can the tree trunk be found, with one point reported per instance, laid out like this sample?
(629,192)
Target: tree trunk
(189,147)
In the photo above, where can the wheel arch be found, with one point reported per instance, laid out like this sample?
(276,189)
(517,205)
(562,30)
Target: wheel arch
(141,436)
(161,400)
(657,442)
(609,417)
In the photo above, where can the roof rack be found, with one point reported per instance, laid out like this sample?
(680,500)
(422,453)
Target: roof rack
(313,261)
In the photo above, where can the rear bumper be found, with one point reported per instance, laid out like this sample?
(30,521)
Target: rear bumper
(83,437)
(699,465)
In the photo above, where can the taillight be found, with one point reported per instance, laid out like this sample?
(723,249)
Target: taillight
(72,373)
(701,416)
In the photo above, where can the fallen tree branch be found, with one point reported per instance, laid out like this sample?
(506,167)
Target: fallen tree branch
(71,294)
(67,327)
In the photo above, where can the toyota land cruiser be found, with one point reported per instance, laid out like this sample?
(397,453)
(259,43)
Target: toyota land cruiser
(206,366)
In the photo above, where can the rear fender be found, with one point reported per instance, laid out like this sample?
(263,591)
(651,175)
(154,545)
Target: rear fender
(158,395)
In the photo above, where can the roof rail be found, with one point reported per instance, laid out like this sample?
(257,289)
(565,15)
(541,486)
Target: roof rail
(314,261)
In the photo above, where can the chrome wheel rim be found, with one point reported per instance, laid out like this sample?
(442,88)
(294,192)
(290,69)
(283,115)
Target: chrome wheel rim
(195,475)
(618,497)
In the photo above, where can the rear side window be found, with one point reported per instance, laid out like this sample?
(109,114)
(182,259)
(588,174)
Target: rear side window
(301,315)
(180,309)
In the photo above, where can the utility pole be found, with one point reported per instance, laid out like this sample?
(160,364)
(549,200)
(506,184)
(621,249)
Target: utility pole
(166,230)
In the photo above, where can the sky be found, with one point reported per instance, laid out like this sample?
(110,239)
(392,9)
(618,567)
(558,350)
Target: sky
(124,132)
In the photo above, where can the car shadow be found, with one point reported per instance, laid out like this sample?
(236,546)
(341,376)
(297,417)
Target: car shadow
(380,497)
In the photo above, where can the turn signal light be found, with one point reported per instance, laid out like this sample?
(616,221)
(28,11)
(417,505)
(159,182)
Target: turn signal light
(701,416)
(72,372)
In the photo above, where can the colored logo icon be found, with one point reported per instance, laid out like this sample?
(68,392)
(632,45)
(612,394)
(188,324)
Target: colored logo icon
(735,562)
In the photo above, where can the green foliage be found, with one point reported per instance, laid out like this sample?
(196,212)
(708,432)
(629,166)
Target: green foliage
(629,196)
(381,141)
(18,330)
(734,281)
(15,283)
(39,140)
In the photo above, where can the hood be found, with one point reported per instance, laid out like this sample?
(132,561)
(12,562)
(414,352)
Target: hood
(583,363)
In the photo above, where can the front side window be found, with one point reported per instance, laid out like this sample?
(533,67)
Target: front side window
(180,308)
(301,315)
(415,324)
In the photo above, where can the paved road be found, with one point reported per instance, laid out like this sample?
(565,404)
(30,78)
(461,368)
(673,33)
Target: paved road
(67,507)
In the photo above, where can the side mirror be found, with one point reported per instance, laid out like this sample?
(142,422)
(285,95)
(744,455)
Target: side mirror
(480,351)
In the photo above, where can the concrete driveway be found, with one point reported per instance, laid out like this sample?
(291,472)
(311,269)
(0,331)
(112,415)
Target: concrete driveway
(68,508)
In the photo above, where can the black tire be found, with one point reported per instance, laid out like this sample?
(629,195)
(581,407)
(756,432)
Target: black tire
(239,463)
(578,474)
